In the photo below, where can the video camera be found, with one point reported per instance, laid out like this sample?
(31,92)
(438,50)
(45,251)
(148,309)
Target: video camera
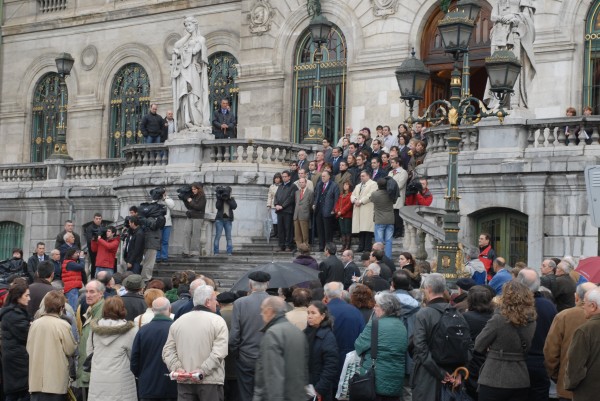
(223,192)
(414,187)
(98,232)
(157,193)
(184,193)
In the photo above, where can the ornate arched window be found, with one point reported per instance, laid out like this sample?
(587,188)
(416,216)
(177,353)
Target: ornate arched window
(222,72)
(333,85)
(46,113)
(591,81)
(11,236)
(129,102)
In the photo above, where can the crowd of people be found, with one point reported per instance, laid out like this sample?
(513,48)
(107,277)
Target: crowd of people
(356,188)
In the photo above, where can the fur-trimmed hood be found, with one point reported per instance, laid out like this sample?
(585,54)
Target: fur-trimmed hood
(108,330)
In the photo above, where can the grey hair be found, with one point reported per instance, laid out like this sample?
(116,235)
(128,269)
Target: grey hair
(436,282)
(473,253)
(565,265)
(195,284)
(161,305)
(583,289)
(334,290)
(278,305)
(67,235)
(551,264)
(375,268)
(258,286)
(389,304)
(530,278)
(99,286)
(203,294)
(594,296)
(54,251)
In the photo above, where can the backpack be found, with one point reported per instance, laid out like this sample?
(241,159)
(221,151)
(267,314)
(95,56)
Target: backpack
(451,339)
(392,188)
(153,223)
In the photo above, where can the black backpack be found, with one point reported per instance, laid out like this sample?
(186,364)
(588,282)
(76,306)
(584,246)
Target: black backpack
(451,339)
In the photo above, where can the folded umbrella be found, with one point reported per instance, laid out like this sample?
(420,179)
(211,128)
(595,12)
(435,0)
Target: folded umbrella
(283,275)
(590,269)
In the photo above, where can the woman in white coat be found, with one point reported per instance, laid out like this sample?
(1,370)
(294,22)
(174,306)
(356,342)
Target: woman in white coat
(362,216)
(110,340)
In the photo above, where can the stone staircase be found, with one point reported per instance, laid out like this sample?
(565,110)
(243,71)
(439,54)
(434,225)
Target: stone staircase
(227,270)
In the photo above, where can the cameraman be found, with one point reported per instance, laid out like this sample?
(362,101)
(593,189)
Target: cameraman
(134,251)
(224,218)
(106,250)
(94,228)
(163,253)
(196,205)
(417,193)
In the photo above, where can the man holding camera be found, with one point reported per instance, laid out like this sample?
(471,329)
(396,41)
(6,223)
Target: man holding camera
(106,246)
(195,202)
(93,230)
(226,204)
(417,193)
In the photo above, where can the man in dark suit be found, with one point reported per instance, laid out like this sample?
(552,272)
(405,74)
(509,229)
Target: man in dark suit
(373,280)
(350,268)
(378,172)
(336,159)
(304,200)
(284,207)
(326,195)
(302,162)
(134,253)
(35,259)
(224,122)
(331,268)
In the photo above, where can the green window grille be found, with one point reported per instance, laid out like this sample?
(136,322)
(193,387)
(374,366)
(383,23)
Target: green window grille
(11,236)
(222,72)
(333,85)
(46,116)
(129,103)
(591,81)
(508,230)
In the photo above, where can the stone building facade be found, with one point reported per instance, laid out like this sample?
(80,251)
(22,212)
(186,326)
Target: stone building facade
(524,185)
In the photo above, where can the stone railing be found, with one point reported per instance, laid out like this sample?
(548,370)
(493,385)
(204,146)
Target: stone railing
(564,131)
(48,6)
(252,151)
(146,155)
(421,222)
(437,141)
(93,169)
(23,172)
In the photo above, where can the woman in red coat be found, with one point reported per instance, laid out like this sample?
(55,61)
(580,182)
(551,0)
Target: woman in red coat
(343,211)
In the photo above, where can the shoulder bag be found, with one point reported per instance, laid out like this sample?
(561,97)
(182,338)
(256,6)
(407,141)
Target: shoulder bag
(362,387)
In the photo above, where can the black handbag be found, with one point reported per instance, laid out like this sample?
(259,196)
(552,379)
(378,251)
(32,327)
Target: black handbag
(362,387)
(87,364)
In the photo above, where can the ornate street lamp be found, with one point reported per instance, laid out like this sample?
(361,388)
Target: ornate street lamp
(319,30)
(64,64)
(462,108)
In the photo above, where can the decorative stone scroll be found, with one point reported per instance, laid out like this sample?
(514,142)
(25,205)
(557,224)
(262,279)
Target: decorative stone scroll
(260,17)
(384,8)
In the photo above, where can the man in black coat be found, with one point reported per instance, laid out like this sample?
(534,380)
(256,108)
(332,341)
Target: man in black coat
(146,355)
(91,232)
(224,122)
(35,259)
(374,281)
(135,304)
(331,268)
(134,253)
(350,268)
(564,295)
(152,125)
(285,202)
(325,196)
(41,286)
(60,238)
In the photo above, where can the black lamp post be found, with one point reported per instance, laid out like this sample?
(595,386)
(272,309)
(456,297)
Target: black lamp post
(64,63)
(319,30)
(462,108)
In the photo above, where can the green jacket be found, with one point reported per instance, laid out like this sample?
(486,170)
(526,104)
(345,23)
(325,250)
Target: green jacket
(92,314)
(391,353)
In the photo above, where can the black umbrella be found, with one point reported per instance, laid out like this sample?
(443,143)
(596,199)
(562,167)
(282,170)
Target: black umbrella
(283,275)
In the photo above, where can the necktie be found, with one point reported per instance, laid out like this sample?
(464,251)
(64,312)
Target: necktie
(374,173)
(301,194)
(361,188)
(324,188)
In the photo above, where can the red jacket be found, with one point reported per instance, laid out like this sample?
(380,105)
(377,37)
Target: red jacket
(72,278)
(419,199)
(343,205)
(106,251)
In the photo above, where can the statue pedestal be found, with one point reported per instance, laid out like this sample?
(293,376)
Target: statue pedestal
(185,150)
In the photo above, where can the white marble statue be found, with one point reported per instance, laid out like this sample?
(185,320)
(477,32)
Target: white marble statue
(189,64)
(514,30)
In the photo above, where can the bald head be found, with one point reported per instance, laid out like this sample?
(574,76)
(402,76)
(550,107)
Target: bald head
(529,278)
(583,289)
(161,306)
(271,307)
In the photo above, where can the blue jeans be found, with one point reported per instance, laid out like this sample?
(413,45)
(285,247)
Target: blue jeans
(152,139)
(163,254)
(384,233)
(73,297)
(219,225)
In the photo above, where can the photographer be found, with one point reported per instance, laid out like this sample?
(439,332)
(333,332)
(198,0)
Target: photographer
(417,193)
(163,253)
(224,219)
(106,246)
(195,202)
(94,227)
(154,220)
(134,251)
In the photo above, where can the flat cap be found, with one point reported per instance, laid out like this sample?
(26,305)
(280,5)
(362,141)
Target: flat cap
(259,277)
(226,297)
(465,283)
(133,282)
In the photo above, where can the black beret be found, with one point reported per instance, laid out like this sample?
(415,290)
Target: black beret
(260,277)
(226,297)
(465,283)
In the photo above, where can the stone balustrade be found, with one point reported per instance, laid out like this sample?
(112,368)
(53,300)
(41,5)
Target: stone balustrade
(146,155)
(437,141)
(565,131)
(23,172)
(252,151)
(48,6)
(94,169)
